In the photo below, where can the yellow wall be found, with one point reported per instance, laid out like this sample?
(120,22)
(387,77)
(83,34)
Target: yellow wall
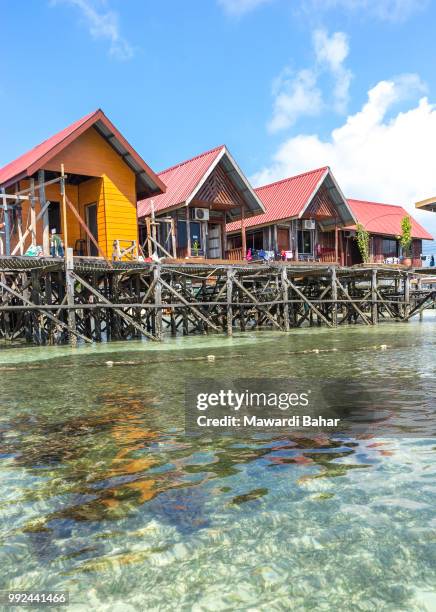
(91,155)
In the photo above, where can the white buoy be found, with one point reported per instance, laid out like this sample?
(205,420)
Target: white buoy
(211,357)
(383,347)
(109,364)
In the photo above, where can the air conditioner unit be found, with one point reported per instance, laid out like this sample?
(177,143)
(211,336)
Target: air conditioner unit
(201,214)
(308,224)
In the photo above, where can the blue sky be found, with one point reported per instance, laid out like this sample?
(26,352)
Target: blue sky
(288,85)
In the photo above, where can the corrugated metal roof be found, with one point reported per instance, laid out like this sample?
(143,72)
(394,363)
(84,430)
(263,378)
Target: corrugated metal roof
(28,163)
(384,219)
(180,181)
(284,199)
(184,179)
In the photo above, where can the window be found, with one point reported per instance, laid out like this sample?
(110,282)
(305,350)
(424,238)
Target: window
(389,248)
(305,242)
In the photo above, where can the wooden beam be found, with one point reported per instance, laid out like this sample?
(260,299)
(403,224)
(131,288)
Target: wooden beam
(20,243)
(45,216)
(353,303)
(243,234)
(64,207)
(45,312)
(85,227)
(309,303)
(188,232)
(7,228)
(104,300)
(189,304)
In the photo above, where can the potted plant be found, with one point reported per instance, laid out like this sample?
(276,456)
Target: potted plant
(362,237)
(195,248)
(406,240)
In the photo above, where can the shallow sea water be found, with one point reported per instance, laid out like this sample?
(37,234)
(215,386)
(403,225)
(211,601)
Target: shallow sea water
(103,495)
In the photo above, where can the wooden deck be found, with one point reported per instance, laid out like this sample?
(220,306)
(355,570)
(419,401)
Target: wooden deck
(53,300)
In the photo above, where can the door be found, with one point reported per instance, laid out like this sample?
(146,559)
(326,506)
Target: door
(214,251)
(282,239)
(91,222)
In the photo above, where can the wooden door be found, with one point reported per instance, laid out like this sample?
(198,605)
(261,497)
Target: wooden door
(91,222)
(282,239)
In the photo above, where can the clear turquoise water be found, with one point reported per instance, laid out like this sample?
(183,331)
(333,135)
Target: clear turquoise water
(104,496)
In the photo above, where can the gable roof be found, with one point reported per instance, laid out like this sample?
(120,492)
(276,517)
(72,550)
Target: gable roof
(290,197)
(184,180)
(428,204)
(378,218)
(28,163)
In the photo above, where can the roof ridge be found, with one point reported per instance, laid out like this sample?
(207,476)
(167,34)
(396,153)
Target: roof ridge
(191,159)
(376,203)
(290,178)
(42,142)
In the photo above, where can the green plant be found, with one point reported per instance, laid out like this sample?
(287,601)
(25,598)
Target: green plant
(362,237)
(196,247)
(406,235)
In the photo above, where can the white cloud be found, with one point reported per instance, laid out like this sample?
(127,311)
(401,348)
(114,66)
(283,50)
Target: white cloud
(236,8)
(298,94)
(386,10)
(332,52)
(102,23)
(376,154)
(295,96)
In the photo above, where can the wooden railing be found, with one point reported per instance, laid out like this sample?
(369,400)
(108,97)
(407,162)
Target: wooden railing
(235,254)
(327,256)
(125,250)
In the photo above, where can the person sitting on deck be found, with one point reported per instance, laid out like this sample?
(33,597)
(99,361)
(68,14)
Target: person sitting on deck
(56,244)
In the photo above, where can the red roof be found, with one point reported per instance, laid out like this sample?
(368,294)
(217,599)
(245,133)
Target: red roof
(284,199)
(384,219)
(180,181)
(33,160)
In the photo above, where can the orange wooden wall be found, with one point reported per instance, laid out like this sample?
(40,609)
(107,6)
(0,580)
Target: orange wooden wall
(113,188)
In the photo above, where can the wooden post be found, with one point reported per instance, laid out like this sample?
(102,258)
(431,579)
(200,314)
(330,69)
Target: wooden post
(173,238)
(149,247)
(69,287)
(406,295)
(334,297)
(158,302)
(275,245)
(285,297)
(243,234)
(64,208)
(374,305)
(7,228)
(45,216)
(230,274)
(296,239)
(32,212)
(188,233)
(419,287)
(336,244)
